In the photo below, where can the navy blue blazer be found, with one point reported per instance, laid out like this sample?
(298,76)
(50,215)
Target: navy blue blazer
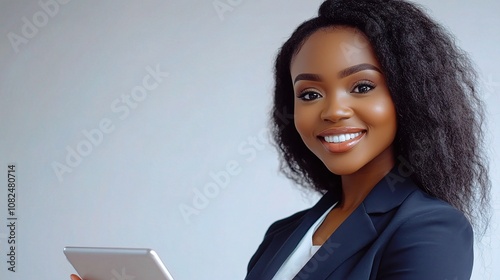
(397,232)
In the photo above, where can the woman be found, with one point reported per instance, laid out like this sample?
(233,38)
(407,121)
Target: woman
(387,124)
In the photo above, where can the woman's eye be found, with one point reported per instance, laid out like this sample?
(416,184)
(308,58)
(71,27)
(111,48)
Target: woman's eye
(309,95)
(363,87)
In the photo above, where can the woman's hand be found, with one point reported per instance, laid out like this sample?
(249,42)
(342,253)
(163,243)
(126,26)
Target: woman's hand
(75,277)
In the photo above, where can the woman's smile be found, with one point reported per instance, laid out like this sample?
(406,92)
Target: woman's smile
(342,139)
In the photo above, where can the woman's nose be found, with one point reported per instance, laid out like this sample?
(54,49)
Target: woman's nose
(336,108)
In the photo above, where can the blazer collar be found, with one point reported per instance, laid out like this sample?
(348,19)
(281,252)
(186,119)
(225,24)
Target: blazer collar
(358,230)
(351,236)
(390,192)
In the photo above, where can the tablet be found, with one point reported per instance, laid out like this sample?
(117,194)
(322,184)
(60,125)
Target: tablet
(99,263)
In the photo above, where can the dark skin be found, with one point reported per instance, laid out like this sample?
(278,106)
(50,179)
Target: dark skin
(344,114)
(340,100)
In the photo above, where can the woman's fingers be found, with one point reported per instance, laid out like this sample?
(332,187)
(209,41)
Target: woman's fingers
(75,277)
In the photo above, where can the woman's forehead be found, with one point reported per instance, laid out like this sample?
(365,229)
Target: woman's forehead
(332,49)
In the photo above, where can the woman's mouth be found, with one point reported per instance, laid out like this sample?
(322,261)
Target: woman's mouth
(341,142)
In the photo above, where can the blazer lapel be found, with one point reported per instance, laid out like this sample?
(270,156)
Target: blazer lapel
(284,243)
(352,235)
(358,230)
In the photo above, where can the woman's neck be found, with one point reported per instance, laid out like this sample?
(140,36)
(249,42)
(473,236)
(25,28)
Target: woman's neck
(356,186)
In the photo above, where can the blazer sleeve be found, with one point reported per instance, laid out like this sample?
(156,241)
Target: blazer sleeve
(437,244)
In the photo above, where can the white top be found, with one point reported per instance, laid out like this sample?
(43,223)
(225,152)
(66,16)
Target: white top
(302,253)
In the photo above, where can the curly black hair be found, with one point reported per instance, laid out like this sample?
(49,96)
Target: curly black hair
(433,85)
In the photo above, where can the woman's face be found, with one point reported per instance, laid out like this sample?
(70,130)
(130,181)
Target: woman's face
(343,109)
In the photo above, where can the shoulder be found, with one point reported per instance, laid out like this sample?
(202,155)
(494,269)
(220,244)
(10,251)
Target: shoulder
(423,209)
(430,240)
(425,218)
(285,223)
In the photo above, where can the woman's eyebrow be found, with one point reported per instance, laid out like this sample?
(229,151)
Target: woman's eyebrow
(357,68)
(307,76)
(342,74)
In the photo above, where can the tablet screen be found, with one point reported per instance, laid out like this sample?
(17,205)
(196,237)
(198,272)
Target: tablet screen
(98,263)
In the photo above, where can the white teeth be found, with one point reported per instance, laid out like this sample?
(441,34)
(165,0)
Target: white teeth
(341,138)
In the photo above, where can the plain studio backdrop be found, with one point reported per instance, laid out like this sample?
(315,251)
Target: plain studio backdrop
(144,124)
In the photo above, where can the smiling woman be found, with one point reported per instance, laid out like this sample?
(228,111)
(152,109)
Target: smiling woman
(388,127)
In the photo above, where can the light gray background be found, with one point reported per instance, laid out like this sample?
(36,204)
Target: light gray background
(209,116)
